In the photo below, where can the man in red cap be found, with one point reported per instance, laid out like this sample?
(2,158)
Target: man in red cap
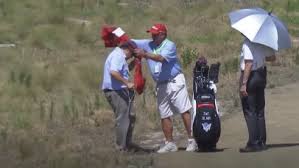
(172,95)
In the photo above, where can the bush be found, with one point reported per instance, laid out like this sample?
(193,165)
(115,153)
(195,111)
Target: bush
(188,56)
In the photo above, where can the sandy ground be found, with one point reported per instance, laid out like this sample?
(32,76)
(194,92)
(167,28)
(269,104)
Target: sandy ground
(282,118)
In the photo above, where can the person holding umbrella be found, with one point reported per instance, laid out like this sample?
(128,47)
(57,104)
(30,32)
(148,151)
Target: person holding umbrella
(252,92)
(263,34)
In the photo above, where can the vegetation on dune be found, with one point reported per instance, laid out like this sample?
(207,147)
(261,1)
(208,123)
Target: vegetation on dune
(52,113)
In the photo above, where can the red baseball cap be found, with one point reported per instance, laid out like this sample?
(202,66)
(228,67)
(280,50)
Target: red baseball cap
(113,36)
(157,28)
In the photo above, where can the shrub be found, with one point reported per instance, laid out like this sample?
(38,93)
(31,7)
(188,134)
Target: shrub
(188,56)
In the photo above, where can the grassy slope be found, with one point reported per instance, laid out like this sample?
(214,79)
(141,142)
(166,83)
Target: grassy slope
(49,98)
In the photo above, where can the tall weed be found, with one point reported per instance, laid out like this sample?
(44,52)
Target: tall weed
(188,56)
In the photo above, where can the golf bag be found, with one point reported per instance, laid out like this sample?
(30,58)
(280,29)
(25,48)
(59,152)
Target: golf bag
(206,121)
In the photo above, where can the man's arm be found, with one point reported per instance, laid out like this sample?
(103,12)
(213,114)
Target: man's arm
(154,57)
(244,80)
(147,55)
(116,75)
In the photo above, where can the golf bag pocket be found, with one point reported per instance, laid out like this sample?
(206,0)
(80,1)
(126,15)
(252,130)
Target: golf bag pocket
(206,126)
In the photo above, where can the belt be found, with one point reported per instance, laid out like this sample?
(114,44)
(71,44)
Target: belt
(168,80)
(258,69)
(110,90)
(107,90)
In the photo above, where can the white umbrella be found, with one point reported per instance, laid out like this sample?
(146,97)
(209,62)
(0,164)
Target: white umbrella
(262,27)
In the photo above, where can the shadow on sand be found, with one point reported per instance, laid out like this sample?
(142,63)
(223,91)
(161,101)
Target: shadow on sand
(282,145)
(141,150)
(206,151)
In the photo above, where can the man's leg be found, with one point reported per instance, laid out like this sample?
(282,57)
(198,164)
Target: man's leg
(166,122)
(165,111)
(181,103)
(121,111)
(167,128)
(191,145)
(248,105)
(132,119)
(187,122)
(262,133)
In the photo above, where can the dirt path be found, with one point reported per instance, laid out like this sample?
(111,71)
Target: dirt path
(282,117)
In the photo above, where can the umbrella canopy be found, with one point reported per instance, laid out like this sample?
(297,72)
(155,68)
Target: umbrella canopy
(262,27)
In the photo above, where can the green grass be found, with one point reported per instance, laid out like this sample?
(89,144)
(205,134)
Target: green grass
(293,20)
(230,66)
(212,38)
(294,31)
(292,6)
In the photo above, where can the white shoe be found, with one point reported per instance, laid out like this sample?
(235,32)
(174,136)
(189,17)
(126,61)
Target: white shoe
(191,146)
(168,147)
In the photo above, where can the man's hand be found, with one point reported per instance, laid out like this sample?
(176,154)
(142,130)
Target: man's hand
(243,90)
(118,77)
(148,55)
(130,85)
(245,77)
(140,52)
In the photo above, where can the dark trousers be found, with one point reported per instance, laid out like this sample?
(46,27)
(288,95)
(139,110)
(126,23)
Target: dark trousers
(254,107)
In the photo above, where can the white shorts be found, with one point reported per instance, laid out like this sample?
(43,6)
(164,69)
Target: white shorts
(173,97)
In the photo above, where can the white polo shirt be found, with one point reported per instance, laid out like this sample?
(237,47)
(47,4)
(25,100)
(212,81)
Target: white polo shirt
(256,52)
(116,61)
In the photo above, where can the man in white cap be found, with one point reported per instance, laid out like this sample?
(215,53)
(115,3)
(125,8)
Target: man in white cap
(118,89)
(172,95)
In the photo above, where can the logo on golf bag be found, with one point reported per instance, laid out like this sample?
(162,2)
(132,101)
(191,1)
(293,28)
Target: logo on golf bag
(206,126)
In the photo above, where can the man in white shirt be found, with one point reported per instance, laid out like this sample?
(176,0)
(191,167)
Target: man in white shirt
(252,92)
(118,90)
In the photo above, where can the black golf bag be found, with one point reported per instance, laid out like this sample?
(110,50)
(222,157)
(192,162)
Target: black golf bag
(206,122)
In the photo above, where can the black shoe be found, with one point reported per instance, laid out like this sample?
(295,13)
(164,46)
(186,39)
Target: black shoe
(250,149)
(263,146)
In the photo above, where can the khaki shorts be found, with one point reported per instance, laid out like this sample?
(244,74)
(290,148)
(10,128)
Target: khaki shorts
(172,97)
